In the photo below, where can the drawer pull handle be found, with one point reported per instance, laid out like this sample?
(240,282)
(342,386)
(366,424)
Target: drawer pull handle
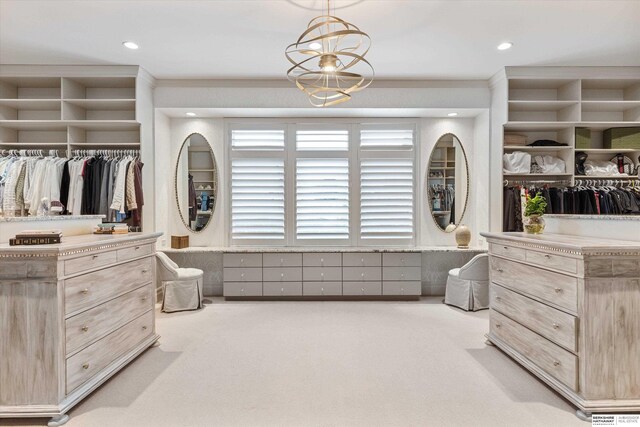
(95,256)
(362,275)
(242,290)
(362,291)
(558,290)
(85,328)
(556,326)
(362,260)
(281,275)
(281,260)
(322,260)
(322,291)
(402,275)
(498,299)
(401,291)
(241,274)
(241,260)
(144,298)
(144,328)
(281,291)
(498,325)
(85,366)
(547,256)
(137,247)
(145,271)
(506,248)
(85,291)
(556,363)
(499,270)
(402,260)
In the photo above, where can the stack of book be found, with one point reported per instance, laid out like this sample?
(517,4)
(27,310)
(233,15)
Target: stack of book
(36,237)
(112,228)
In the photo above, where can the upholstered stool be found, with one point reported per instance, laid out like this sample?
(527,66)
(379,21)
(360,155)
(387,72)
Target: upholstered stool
(468,286)
(181,287)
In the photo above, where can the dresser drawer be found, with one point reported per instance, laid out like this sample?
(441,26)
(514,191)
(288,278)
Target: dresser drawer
(362,274)
(281,260)
(93,324)
(401,273)
(132,252)
(552,359)
(552,324)
(402,288)
(249,274)
(242,260)
(84,365)
(556,262)
(322,259)
(321,288)
(319,274)
(284,289)
(507,251)
(89,262)
(554,288)
(404,259)
(282,274)
(242,289)
(87,291)
(361,259)
(362,288)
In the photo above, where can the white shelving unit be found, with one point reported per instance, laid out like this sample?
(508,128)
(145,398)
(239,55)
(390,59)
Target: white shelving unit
(71,107)
(551,103)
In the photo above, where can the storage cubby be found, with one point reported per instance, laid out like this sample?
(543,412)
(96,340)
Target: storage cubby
(84,109)
(29,109)
(99,88)
(30,138)
(30,88)
(611,111)
(544,90)
(544,111)
(90,137)
(611,90)
(563,136)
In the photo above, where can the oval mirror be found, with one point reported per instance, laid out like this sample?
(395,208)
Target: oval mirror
(196,182)
(448,182)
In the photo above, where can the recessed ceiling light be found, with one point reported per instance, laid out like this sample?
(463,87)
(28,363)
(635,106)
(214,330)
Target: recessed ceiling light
(190,114)
(505,46)
(130,45)
(315,45)
(452,114)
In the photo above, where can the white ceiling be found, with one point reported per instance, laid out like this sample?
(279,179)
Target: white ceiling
(412,39)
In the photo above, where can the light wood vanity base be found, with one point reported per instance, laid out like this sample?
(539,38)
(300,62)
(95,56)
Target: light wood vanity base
(71,316)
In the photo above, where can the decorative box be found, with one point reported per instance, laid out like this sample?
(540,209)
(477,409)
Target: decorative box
(179,242)
(583,138)
(514,139)
(621,138)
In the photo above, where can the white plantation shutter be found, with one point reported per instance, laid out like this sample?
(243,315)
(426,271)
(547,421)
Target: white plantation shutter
(386,139)
(322,140)
(264,140)
(322,198)
(257,198)
(386,199)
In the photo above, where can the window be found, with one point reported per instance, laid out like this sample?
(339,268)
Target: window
(322,183)
(322,199)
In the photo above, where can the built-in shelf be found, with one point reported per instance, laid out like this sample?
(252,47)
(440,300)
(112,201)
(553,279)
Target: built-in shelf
(551,148)
(538,175)
(608,150)
(612,177)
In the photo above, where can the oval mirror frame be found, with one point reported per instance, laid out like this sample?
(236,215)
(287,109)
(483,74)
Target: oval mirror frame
(215,182)
(448,229)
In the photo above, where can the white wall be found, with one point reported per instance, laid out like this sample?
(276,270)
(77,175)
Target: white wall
(474,137)
(175,131)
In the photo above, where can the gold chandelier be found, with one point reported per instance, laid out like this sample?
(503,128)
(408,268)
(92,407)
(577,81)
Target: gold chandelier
(328,60)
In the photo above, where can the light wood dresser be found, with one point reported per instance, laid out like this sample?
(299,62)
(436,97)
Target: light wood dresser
(568,309)
(71,316)
(324,275)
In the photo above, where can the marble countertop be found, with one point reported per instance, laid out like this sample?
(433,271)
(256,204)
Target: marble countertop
(74,243)
(580,244)
(49,218)
(596,217)
(232,249)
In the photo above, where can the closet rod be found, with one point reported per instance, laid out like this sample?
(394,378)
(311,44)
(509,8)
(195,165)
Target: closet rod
(507,182)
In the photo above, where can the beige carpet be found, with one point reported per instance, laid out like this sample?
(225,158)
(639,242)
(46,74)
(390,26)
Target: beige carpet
(322,364)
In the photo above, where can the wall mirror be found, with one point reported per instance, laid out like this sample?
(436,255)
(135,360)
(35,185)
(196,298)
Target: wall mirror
(196,182)
(448,182)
